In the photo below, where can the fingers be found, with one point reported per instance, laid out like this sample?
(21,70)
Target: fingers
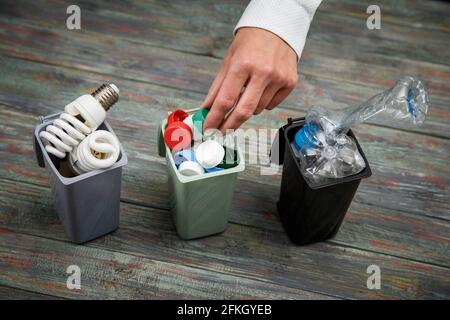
(215,86)
(282,93)
(246,106)
(267,97)
(227,97)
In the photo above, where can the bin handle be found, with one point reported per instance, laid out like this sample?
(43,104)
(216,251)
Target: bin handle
(161,142)
(290,120)
(37,147)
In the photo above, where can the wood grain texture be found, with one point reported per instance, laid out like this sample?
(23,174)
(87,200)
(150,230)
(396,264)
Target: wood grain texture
(413,177)
(336,80)
(163,56)
(240,250)
(39,264)
(7,293)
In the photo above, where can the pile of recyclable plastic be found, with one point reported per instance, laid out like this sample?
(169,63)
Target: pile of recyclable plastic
(327,152)
(194,153)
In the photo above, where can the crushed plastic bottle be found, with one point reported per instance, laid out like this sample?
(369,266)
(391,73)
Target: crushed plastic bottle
(327,152)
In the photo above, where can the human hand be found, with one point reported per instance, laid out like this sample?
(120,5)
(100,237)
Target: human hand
(258,61)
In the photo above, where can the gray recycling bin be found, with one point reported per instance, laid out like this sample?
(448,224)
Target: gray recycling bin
(88,205)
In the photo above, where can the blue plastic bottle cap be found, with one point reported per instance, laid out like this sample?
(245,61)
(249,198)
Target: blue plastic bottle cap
(305,137)
(209,154)
(190,168)
(215,169)
(183,155)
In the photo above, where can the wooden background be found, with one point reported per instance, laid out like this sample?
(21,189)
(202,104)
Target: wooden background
(163,55)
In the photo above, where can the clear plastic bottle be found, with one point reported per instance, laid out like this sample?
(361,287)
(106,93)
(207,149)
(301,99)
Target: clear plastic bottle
(321,144)
(403,106)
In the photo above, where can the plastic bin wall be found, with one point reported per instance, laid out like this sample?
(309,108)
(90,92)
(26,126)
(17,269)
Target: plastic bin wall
(311,214)
(88,205)
(200,204)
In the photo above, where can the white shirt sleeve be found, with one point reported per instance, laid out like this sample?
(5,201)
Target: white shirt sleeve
(288,19)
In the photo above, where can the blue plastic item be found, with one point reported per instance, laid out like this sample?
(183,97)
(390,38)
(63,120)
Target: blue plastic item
(183,155)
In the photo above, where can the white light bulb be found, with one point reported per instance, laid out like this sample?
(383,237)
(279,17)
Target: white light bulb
(99,150)
(81,117)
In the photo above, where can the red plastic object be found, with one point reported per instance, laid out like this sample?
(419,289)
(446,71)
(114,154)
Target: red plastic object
(178,135)
(177,115)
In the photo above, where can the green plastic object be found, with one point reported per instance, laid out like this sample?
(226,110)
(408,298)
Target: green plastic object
(230,160)
(199,118)
(200,204)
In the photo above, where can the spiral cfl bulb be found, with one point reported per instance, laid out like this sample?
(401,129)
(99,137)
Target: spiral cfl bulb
(80,117)
(99,150)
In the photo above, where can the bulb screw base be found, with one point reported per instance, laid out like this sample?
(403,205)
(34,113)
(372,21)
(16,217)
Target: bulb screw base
(107,95)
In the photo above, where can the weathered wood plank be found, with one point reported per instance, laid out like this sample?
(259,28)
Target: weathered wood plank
(321,81)
(257,254)
(38,264)
(8,293)
(368,227)
(415,177)
(414,14)
(256,195)
(202,26)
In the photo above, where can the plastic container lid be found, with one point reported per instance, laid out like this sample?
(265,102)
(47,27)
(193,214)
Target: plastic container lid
(305,137)
(178,135)
(214,169)
(209,154)
(197,135)
(199,119)
(190,168)
(183,155)
(230,159)
(188,121)
(177,115)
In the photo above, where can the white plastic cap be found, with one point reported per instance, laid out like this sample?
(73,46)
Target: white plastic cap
(196,134)
(209,154)
(190,168)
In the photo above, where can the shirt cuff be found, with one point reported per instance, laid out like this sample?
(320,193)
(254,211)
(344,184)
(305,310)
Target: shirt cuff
(288,19)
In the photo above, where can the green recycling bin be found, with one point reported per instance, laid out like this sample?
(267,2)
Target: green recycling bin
(199,204)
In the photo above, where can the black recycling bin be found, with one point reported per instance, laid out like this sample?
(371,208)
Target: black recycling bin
(312,213)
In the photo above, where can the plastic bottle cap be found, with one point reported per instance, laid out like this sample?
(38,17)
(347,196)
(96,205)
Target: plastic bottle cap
(209,154)
(190,168)
(183,155)
(214,169)
(198,119)
(177,115)
(305,137)
(178,135)
(188,121)
(230,159)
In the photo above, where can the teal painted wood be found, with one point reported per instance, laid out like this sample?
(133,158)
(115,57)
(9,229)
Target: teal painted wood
(240,251)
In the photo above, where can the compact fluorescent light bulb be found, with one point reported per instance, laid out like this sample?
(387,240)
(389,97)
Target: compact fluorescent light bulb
(100,150)
(81,117)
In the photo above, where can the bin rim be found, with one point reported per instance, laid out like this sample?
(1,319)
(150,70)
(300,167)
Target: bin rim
(185,179)
(365,173)
(45,121)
